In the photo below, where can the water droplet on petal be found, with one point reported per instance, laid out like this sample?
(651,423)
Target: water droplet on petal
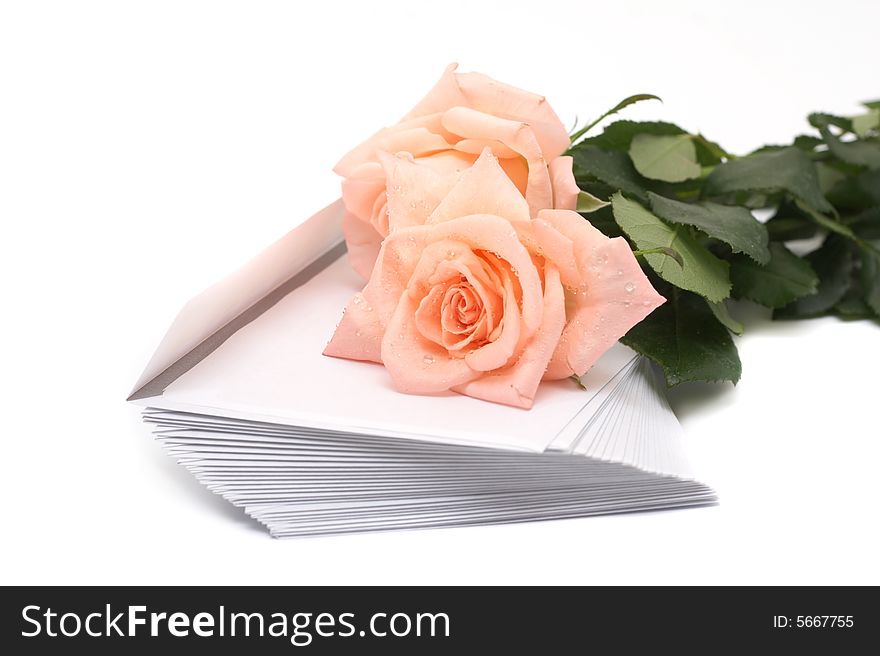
(428,359)
(620,272)
(629,287)
(357,299)
(450,253)
(358,333)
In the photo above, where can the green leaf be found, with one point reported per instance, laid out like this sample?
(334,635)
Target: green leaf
(587,202)
(872,104)
(820,120)
(670,159)
(722,313)
(619,135)
(626,102)
(734,226)
(864,123)
(611,167)
(790,223)
(790,228)
(685,339)
(709,153)
(807,142)
(860,153)
(662,250)
(826,222)
(870,277)
(852,307)
(866,224)
(784,279)
(702,272)
(828,176)
(857,193)
(789,170)
(833,263)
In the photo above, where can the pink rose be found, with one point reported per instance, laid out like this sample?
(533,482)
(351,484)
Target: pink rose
(474,296)
(447,130)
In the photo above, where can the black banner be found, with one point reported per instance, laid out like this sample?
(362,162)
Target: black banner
(391,620)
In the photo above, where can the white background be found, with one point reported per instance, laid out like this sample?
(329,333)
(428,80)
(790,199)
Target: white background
(148,148)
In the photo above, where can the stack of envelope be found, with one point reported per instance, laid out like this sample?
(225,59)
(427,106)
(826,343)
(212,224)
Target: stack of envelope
(241,395)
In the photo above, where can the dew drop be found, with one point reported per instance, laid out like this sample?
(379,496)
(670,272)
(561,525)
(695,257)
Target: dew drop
(358,299)
(358,333)
(450,253)
(629,286)
(428,359)
(620,272)
(369,308)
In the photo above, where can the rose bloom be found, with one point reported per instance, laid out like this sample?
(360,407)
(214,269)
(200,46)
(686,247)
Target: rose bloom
(471,294)
(463,114)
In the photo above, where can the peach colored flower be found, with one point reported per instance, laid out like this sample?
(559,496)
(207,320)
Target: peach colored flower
(447,130)
(474,296)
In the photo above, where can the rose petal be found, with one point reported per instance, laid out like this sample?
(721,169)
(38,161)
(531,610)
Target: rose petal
(482,189)
(416,140)
(479,274)
(363,323)
(517,384)
(493,97)
(427,315)
(496,354)
(557,248)
(472,124)
(612,295)
(359,334)
(565,189)
(416,364)
(517,169)
(363,244)
(448,162)
(360,189)
(477,146)
(445,93)
(414,189)
(493,234)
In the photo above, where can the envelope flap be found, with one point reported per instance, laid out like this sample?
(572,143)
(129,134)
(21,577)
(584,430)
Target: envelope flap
(210,318)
